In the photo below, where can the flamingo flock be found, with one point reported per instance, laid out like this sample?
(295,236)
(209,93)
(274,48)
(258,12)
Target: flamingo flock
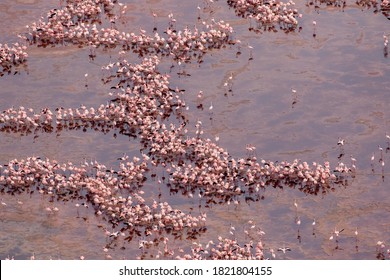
(142,104)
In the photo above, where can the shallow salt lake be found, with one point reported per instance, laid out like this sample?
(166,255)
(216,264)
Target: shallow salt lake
(341,88)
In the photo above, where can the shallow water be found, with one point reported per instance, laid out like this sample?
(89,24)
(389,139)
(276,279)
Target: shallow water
(341,78)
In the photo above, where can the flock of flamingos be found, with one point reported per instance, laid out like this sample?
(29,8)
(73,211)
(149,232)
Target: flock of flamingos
(142,104)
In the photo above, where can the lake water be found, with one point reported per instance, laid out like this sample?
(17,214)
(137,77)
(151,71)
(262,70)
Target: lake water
(341,78)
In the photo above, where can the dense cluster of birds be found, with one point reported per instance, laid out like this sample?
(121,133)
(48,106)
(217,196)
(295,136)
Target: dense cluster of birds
(142,104)
(226,249)
(382,6)
(12,56)
(268,15)
(182,44)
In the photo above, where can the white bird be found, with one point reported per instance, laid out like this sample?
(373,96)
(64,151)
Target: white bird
(115,234)
(284,249)
(380,244)
(337,232)
(341,142)
(272,253)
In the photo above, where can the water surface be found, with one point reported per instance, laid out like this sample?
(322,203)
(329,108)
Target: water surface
(341,78)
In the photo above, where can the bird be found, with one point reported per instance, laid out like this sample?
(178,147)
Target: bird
(211,110)
(114,234)
(380,244)
(250,52)
(337,232)
(284,249)
(86,79)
